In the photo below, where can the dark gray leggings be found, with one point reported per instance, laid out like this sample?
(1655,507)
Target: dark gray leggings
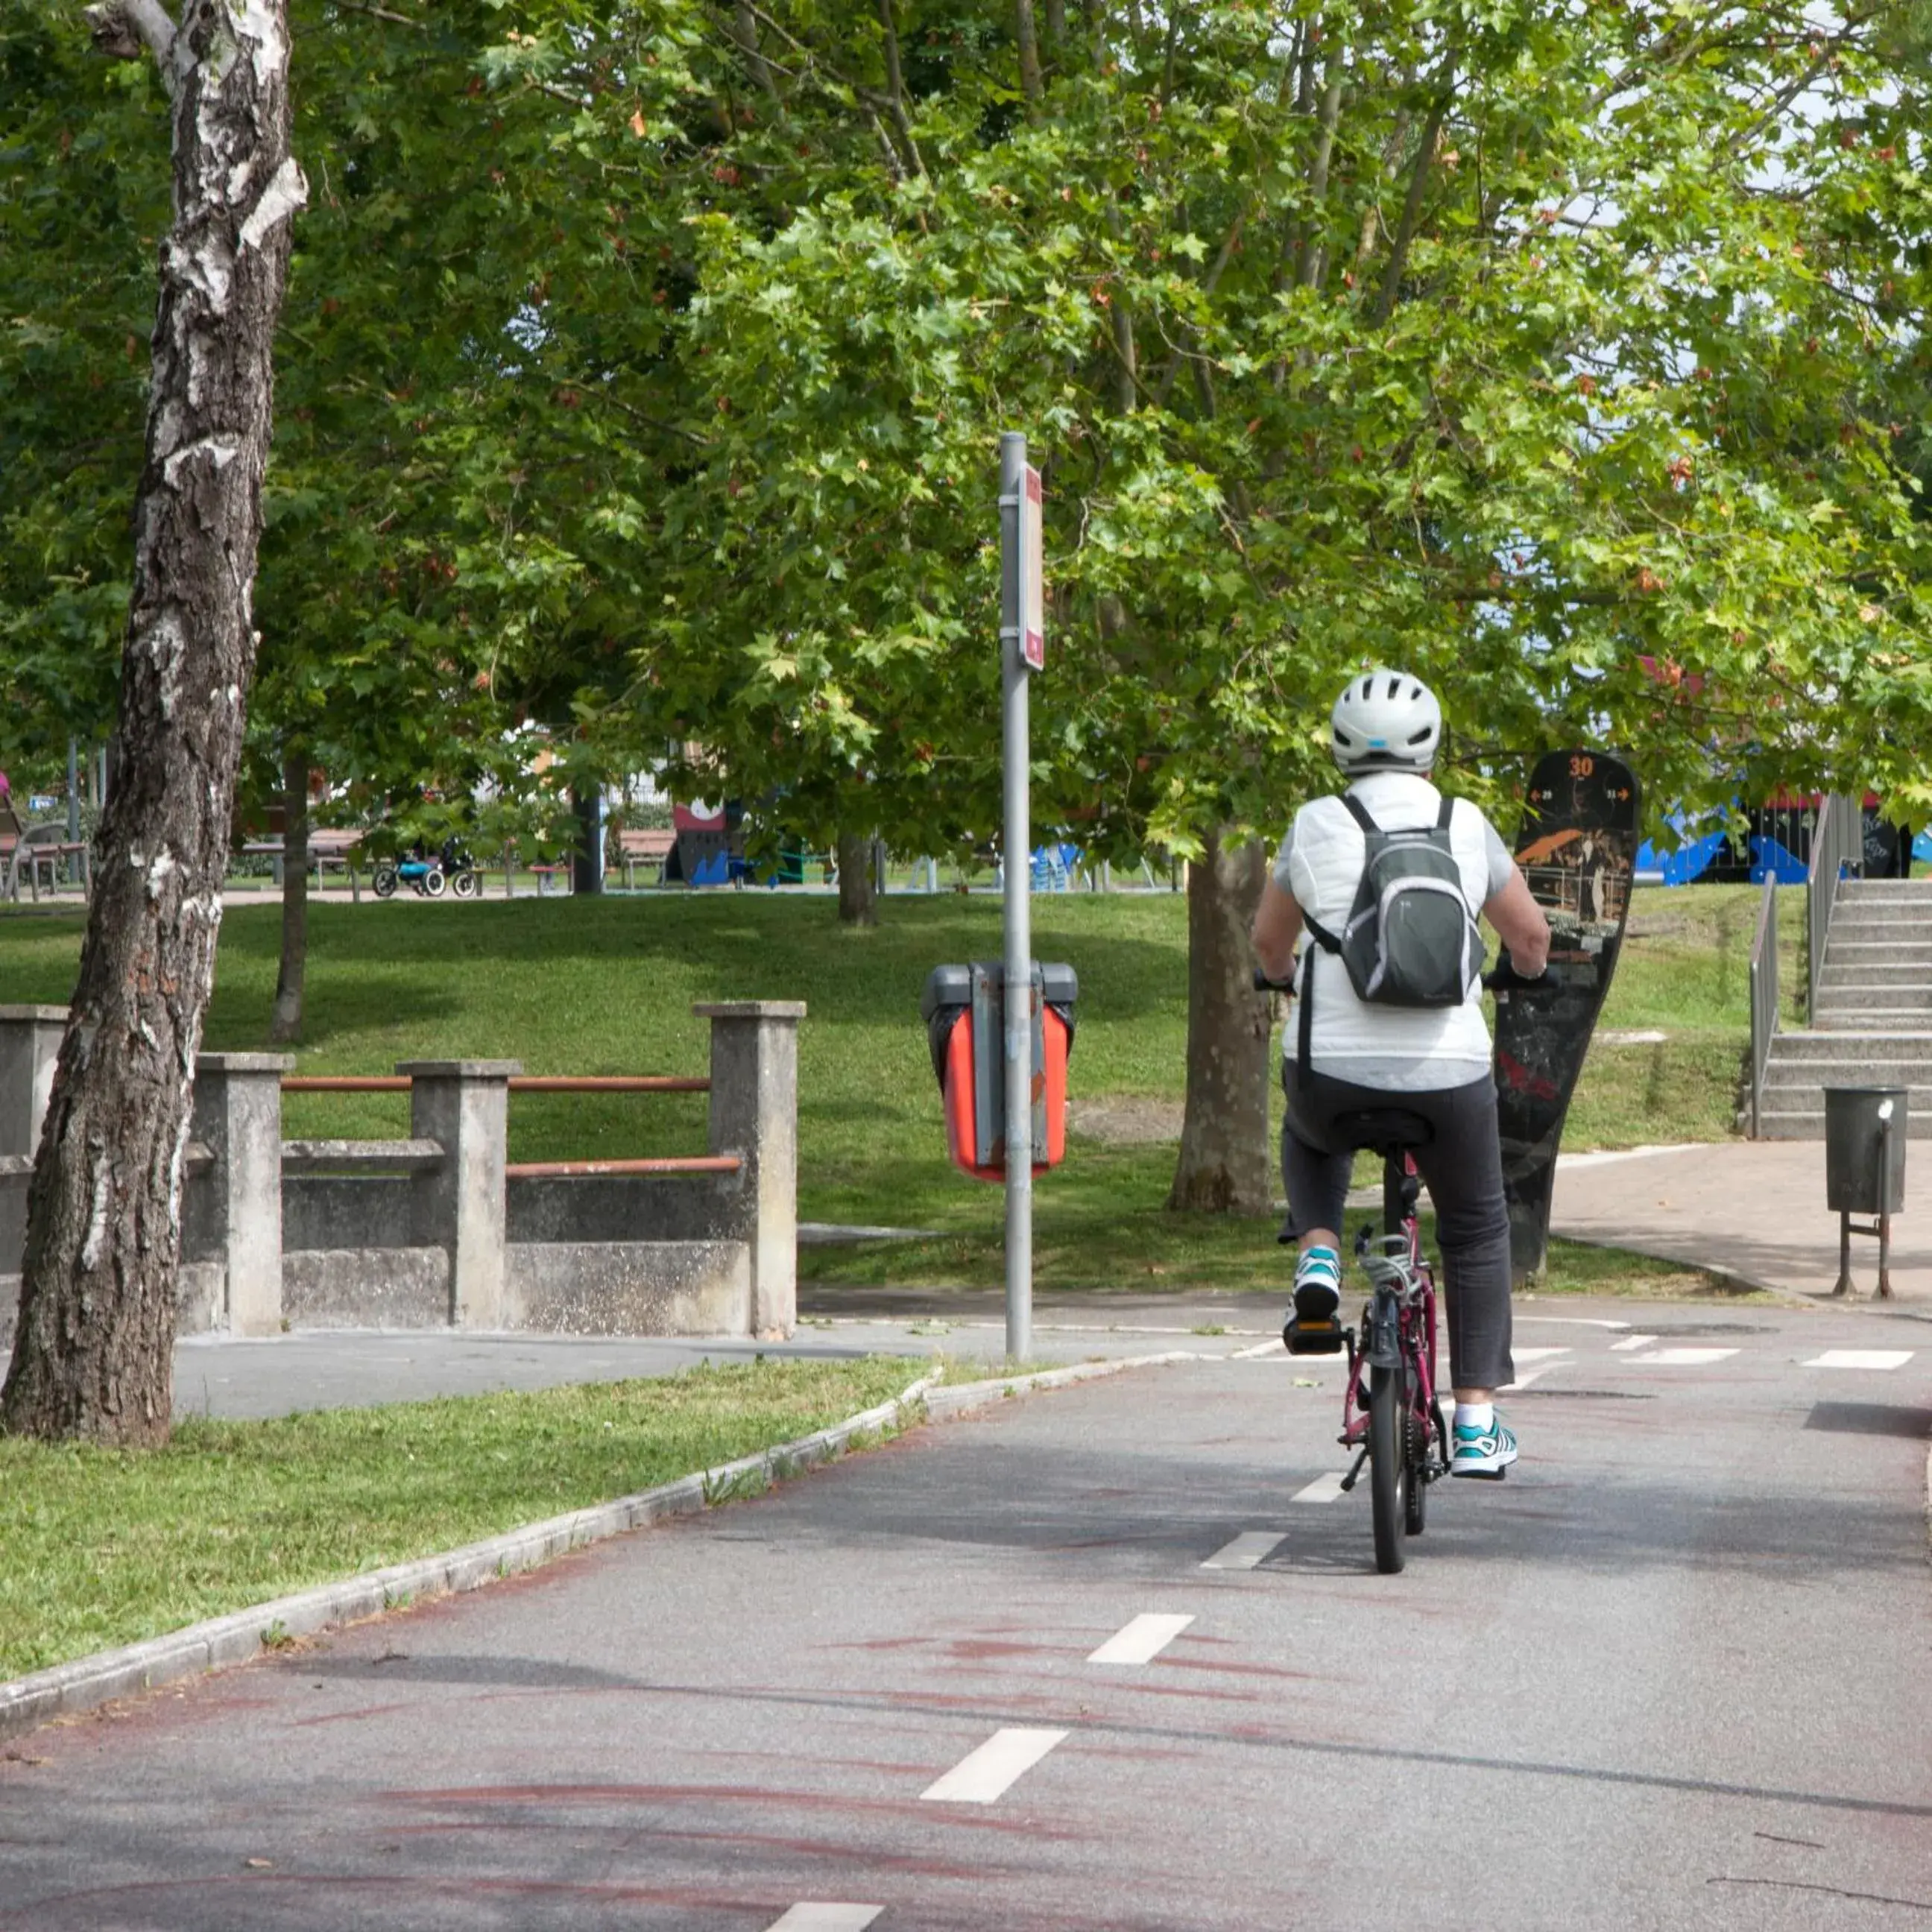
(1462,1165)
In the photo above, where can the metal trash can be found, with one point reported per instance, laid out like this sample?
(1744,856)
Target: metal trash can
(1864,1163)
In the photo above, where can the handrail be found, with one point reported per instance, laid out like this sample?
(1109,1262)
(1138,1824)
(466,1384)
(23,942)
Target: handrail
(1764,1016)
(696,1163)
(1837,842)
(521,1083)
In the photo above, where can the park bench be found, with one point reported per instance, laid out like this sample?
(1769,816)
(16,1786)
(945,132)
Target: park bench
(645,845)
(328,845)
(43,848)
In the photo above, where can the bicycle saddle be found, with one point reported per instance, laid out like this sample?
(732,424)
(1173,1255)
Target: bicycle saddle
(1387,1129)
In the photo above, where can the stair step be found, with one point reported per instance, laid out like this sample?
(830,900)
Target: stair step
(1914,997)
(1915,951)
(1879,919)
(1808,1124)
(1852,892)
(1855,972)
(1891,1046)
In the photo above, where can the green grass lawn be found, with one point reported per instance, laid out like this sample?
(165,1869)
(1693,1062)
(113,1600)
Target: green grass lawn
(102,1547)
(606,986)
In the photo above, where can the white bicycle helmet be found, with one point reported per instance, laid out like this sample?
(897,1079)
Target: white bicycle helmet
(1386,720)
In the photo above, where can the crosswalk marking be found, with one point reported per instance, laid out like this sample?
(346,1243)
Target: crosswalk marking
(1541,1354)
(1325,1488)
(983,1775)
(1684,1358)
(1272,1346)
(1630,1341)
(1142,1640)
(819,1915)
(1252,1548)
(1860,1358)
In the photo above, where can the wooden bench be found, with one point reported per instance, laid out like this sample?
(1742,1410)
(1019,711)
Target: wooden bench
(647,845)
(43,846)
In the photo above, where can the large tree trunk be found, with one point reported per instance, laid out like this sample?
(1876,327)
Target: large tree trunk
(93,1357)
(858,901)
(1224,1166)
(285,1022)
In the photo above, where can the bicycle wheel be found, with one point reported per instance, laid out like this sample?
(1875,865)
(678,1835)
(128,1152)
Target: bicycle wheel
(385,882)
(467,884)
(1388,1465)
(434,883)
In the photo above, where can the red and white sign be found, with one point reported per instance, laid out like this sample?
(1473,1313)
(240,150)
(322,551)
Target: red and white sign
(1033,575)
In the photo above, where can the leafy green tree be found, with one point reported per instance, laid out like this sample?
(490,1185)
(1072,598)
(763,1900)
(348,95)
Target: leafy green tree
(1517,347)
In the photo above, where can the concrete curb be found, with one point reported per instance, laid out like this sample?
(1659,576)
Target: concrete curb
(88,1681)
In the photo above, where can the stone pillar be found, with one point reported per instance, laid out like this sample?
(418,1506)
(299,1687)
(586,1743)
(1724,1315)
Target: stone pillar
(30,1038)
(234,1211)
(754,1115)
(465,1104)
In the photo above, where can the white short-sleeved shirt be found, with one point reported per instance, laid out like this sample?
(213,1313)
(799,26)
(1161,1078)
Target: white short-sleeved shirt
(1400,1049)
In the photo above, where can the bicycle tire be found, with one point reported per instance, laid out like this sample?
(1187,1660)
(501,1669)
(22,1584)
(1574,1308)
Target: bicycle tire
(384,882)
(1388,1466)
(1416,1502)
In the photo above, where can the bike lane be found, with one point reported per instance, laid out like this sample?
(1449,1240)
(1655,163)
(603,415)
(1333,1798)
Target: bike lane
(1672,1673)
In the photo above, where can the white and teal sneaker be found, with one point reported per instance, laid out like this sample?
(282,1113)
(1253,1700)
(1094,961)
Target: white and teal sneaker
(1480,1450)
(1317,1286)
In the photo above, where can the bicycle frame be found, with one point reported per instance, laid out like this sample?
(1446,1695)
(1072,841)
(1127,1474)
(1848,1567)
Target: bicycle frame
(1399,1323)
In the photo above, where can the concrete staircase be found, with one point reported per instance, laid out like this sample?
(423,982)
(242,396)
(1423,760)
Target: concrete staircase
(1871,1020)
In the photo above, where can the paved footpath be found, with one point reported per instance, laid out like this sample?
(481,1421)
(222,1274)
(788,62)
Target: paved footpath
(1753,1209)
(1116,1657)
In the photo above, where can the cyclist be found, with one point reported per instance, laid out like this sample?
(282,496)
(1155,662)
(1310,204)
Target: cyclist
(1352,1055)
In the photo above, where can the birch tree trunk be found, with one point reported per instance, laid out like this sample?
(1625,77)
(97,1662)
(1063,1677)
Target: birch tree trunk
(1224,1166)
(93,1355)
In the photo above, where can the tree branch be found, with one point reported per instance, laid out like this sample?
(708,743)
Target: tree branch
(896,86)
(1418,188)
(1031,85)
(1308,264)
(122,27)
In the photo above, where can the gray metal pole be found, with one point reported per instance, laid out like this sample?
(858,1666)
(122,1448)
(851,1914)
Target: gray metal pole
(1016,847)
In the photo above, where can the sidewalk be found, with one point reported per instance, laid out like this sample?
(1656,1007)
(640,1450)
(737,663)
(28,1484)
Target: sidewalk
(1753,1209)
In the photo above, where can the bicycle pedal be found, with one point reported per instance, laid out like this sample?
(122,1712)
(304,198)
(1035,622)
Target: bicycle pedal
(1313,1338)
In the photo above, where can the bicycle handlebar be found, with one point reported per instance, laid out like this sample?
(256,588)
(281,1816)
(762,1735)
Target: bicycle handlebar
(1263,984)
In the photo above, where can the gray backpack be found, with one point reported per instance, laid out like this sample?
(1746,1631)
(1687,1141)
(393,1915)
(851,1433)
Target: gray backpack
(1411,939)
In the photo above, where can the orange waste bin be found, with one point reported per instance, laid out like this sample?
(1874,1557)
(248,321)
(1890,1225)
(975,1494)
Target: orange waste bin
(964,1008)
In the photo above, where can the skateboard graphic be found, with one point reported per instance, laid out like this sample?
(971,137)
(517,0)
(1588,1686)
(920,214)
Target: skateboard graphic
(1577,849)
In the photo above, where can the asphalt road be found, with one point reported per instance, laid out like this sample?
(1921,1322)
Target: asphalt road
(1672,1673)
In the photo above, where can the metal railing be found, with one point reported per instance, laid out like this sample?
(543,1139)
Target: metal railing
(1763,997)
(1837,848)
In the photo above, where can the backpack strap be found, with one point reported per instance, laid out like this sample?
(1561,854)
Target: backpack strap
(1359,812)
(1304,1073)
(1443,817)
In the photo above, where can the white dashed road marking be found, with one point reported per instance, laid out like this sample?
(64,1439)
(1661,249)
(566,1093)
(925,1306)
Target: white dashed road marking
(815,1915)
(1541,1354)
(1684,1358)
(1325,1488)
(1860,1358)
(1141,1641)
(1274,1347)
(1630,1341)
(1250,1549)
(1521,1381)
(980,1778)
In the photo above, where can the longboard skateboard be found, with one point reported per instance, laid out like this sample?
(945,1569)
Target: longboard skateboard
(1577,850)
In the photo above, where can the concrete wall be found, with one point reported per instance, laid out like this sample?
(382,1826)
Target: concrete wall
(433,1232)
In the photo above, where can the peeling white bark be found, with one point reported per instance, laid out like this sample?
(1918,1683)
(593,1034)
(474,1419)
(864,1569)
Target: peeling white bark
(287,192)
(93,1353)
